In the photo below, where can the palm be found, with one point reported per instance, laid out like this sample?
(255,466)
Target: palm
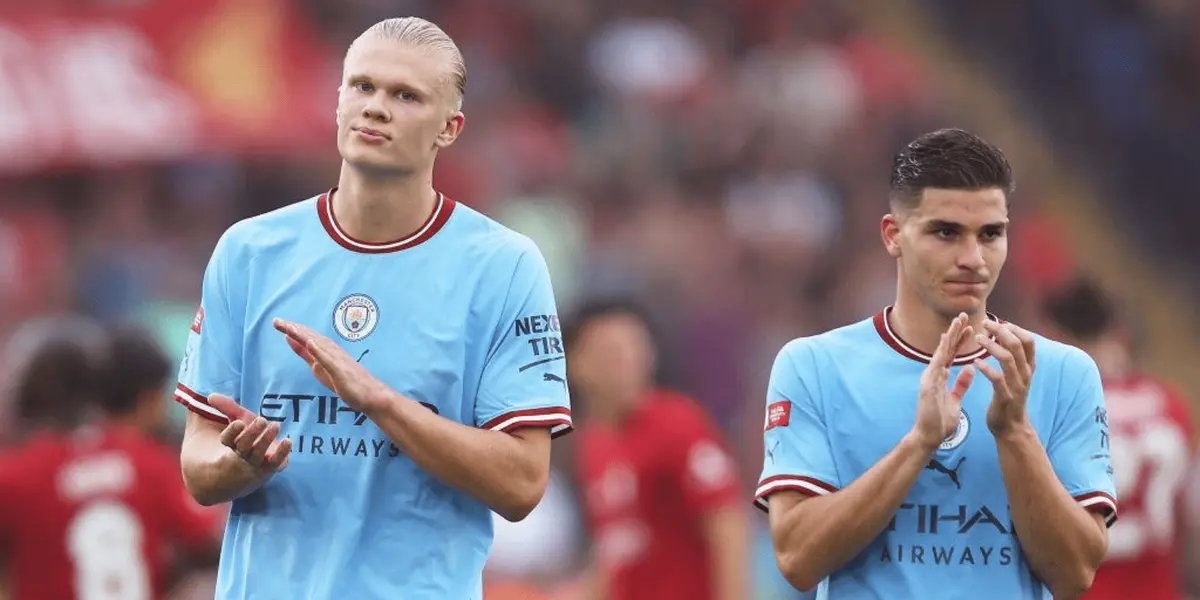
(323,376)
(330,364)
(938,404)
(940,408)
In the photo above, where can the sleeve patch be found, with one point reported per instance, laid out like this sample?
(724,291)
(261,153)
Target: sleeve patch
(779,414)
(198,320)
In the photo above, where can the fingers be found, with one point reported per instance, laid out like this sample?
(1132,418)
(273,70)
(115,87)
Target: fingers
(285,327)
(258,452)
(999,385)
(244,445)
(962,383)
(230,434)
(310,345)
(1027,342)
(276,458)
(1007,338)
(1010,353)
(263,449)
(300,349)
(230,407)
(949,341)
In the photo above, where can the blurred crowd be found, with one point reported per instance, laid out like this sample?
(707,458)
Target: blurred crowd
(724,161)
(1118,83)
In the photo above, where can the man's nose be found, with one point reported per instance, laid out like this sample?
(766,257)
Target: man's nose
(971,256)
(375,109)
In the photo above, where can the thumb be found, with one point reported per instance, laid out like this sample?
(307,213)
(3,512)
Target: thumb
(963,382)
(229,406)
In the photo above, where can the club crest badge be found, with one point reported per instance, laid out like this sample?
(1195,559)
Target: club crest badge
(960,433)
(356,317)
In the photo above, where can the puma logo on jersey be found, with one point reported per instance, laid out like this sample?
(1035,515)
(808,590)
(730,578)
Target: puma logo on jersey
(934,465)
(771,451)
(553,377)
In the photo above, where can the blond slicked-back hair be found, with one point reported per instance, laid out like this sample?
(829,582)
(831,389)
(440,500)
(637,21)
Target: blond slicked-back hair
(422,34)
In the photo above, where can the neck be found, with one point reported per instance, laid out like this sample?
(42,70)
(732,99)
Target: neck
(921,326)
(382,209)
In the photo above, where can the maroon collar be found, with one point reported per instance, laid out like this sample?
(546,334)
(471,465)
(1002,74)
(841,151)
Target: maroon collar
(884,327)
(441,213)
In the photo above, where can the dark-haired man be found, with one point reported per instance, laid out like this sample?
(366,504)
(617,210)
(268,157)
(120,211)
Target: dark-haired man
(887,474)
(1152,452)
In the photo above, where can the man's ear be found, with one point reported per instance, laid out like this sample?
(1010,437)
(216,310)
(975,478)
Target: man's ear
(889,231)
(453,129)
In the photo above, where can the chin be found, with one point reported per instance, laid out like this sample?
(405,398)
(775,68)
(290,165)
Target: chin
(953,305)
(369,161)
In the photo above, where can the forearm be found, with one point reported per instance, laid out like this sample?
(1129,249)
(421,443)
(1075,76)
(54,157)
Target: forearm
(493,467)
(213,473)
(1062,541)
(819,535)
(728,546)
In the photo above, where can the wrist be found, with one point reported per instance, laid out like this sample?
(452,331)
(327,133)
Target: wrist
(918,442)
(1013,432)
(379,403)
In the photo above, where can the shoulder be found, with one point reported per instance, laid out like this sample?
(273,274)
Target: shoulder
(845,341)
(480,237)
(1072,362)
(268,229)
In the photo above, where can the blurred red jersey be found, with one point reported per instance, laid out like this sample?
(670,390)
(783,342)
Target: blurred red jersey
(1151,446)
(94,514)
(647,484)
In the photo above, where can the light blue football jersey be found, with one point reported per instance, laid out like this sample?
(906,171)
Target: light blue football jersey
(838,402)
(460,317)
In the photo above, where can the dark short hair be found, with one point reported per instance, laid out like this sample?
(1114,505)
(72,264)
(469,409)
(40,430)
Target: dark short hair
(1081,308)
(599,308)
(61,370)
(951,159)
(136,364)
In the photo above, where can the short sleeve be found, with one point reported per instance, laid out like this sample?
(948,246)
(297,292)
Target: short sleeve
(707,471)
(524,381)
(213,356)
(1079,442)
(796,450)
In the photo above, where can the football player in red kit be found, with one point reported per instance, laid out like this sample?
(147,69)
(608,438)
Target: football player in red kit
(660,488)
(89,510)
(1152,447)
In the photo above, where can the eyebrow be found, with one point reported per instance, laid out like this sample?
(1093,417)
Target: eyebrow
(943,224)
(356,77)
